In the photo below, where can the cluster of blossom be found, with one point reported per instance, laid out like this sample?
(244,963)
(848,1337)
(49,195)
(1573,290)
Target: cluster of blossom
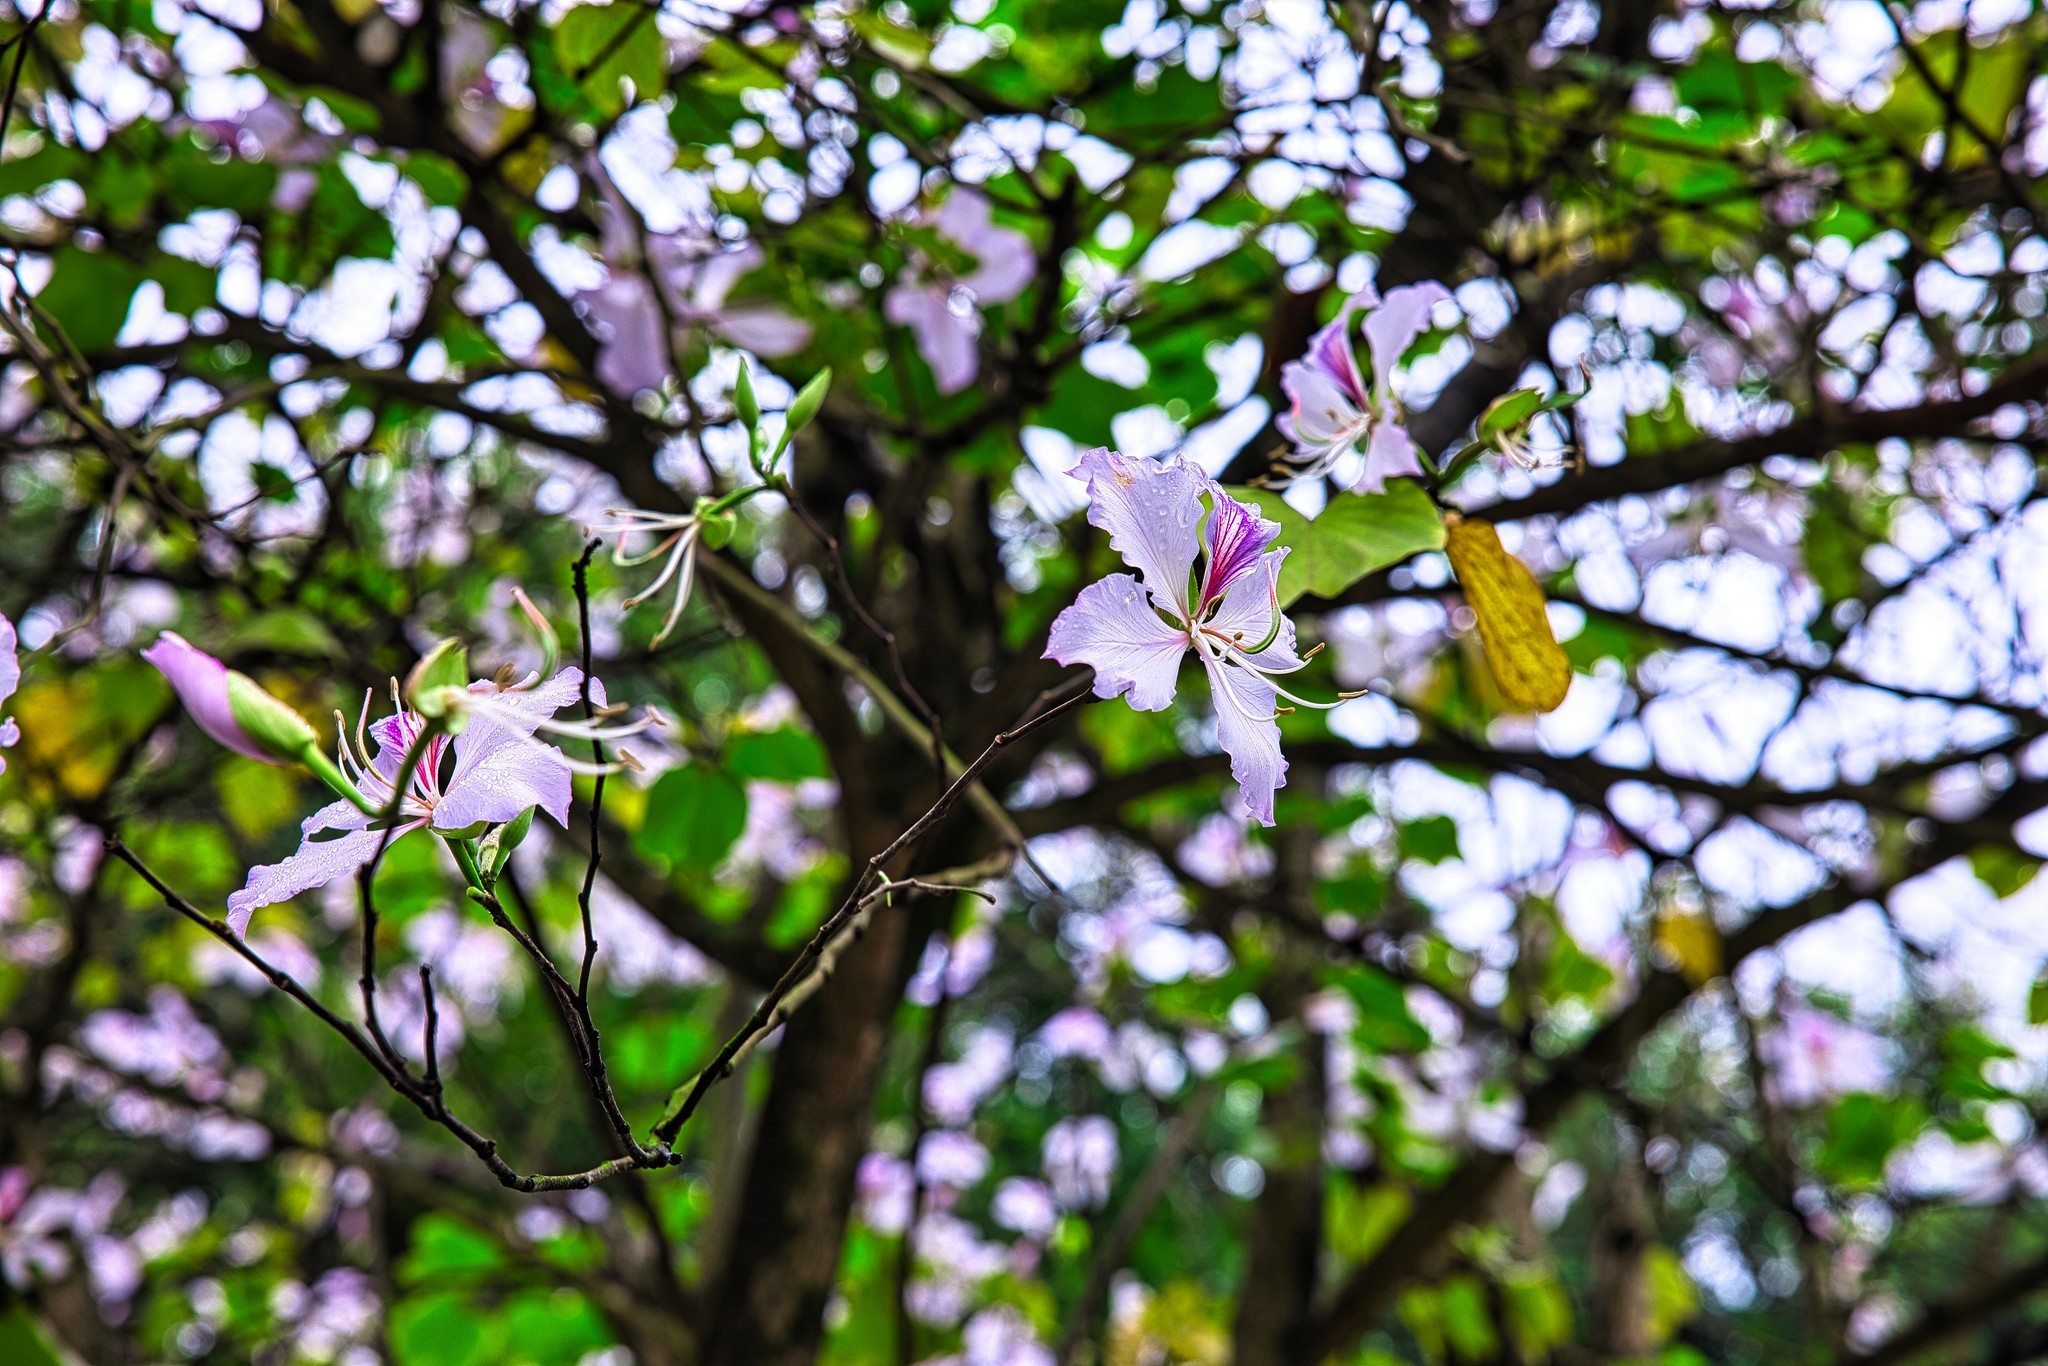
(501,772)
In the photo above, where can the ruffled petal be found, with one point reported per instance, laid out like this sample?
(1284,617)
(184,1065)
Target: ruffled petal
(1153,514)
(1113,628)
(500,770)
(1236,534)
(1331,354)
(317,863)
(1250,734)
(1323,420)
(1393,327)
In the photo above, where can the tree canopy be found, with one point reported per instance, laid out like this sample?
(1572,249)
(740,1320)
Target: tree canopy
(601,762)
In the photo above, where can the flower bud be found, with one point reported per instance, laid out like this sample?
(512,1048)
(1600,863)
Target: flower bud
(231,707)
(802,409)
(744,400)
(442,671)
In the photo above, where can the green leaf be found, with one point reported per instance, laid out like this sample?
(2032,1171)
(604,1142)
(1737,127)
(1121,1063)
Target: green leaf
(601,45)
(439,179)
(22,1341)
(782,756)
(273,483)
(1509,412)
(187,285)
(1467,1319)
(2003,869)
(2037,1001)
(1355,535)
(1433,839)
(694,813)
(1384,1024)
(1863,1130)
(88,296)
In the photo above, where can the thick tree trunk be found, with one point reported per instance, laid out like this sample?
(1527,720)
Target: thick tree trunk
(813,1132)
(1275,1308)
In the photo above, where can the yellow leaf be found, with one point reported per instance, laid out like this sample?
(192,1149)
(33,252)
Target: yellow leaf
(1692,944)
(1528,663)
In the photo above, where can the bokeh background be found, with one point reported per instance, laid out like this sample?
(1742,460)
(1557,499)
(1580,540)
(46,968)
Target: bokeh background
(1694,1022)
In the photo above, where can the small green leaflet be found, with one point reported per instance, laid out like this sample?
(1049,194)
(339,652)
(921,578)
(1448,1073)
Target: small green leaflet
(1355,535)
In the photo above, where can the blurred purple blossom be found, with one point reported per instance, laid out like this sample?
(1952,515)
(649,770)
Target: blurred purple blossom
(10,679)
(638,328)
(1080,1155)
(943,310)
(1334,410)
(1025,1206)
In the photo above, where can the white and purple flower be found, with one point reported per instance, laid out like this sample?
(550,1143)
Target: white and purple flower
(500,772)
(1133,631)
(1335,414)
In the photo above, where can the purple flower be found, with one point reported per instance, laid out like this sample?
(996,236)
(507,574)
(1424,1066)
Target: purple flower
(943,311)
(1334,409)
(636,328)
(203,684)
(10,679)
(500,772)
(1133,631)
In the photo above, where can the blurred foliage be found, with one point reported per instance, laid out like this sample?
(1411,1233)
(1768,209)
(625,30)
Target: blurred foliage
(1695,1022)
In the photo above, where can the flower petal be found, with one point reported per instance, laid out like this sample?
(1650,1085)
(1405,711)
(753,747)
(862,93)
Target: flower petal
(763,329)
(946,341)
(317,863)
(10,678)
(1236,534)
(1005,263)
(1250,734)
(1152,513)
(1324,420)
(1247,613)
(1393,327)
(201,682)
(1113,628)
(1331,354)
(510,778)
(10,663)
(500,770)
(1391,455)
(633,352)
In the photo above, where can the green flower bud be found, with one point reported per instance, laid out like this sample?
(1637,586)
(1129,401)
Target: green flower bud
(443,668)
(744,400)
(269,724)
